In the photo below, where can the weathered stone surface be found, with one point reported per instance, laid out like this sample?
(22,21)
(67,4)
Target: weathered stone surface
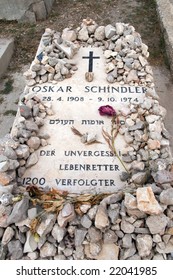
(146,201)
(130,201)
(167,248)
(163,177)
(25,111)
(127,227)
(30,244)
(140,178)
(58,233)
(46,225)
(83,34)
(15,250)
(101,219)
(86,222)
(66,215)
(34,143)
(108,252)
(7,236)
(32,159)
(166,197)
(69,35)
(95,235)
(22,151)
(127,241)
(79,236)
(110,237)
(109,31)
(157,223)
(144,245)
(100,33)
(95,249)
(4,179)
(19,211)
(47,250)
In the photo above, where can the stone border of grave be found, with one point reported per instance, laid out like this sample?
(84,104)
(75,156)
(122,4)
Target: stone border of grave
(165,12)
(26,11)
(136,223)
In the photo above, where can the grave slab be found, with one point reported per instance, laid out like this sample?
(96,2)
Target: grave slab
(6,51)
(72,165)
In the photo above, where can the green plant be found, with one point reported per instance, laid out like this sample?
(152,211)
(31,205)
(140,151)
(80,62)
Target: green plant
(1,100)
(8,87)
(10,112)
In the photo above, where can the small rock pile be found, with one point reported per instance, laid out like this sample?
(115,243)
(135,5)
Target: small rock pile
(135,223)
(19,151)
(125,54)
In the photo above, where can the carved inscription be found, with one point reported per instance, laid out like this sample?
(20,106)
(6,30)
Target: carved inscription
(68,162)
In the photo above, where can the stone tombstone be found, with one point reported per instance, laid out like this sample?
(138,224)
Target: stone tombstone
(88,89)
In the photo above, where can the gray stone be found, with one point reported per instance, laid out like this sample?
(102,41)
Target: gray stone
(113,214)
(30,244)
(166,197)
(1,232)
(19,211)
(58,233)
(157,223)
(59,257)
(110,237)
(119,28)
(15,250)
(100,33)
(5,190)
(112,198)
(144,245)
(79,253)
(83,34)
(79,236)
(46,225)
(25,111)
(3,252)
(33,255)
(129,252)
(163,177)
(110,31)
(10,153)
(127,241)
(92,212)
(32,213)
(7,236)
(138,125)
(86,222)
(140,178)
(68,252)
(126,227)
(32,159)
(31,126)
(66,215)
(95,235)
(47,250)
(22,151)
(166,249)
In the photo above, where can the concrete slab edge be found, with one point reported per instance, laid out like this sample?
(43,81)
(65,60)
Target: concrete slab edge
(6,56)
(165,12)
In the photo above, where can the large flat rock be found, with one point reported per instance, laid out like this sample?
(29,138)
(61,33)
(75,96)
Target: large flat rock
(6,51)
